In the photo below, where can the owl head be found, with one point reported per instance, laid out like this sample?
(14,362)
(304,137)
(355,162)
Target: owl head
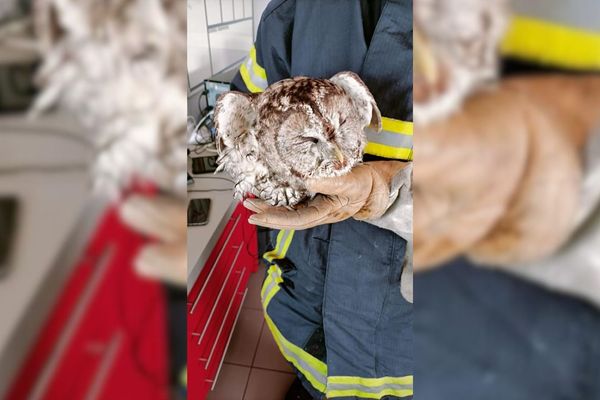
(303,126)
(456,52)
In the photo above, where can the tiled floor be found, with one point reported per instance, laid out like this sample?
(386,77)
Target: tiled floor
(253,369)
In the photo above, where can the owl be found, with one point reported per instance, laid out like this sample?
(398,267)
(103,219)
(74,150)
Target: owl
(93,55)
(456,52)
(299,128)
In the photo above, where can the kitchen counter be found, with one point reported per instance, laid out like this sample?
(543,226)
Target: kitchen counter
(201,239)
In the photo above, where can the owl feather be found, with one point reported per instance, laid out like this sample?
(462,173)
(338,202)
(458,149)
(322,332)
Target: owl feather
(456,53)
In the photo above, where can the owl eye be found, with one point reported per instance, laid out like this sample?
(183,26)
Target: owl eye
(312,140)
(342,121)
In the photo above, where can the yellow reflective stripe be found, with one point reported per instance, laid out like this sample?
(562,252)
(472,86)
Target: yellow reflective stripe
(369,388)
(258,70)
(381,150)
(397,126)
(357,393)
(314,370)
(271,273)
(253,75)
(247,81)
(387,144)
(270,295)
(286,244)
(271,285)
(273,279)
(270,254)
(284,238)
(552,44)
(183,377)
(372,382)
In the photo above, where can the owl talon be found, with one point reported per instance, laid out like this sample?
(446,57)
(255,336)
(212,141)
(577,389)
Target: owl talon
(289,195)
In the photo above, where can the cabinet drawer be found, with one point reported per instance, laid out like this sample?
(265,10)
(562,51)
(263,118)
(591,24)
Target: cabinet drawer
(221,253)
(215,301)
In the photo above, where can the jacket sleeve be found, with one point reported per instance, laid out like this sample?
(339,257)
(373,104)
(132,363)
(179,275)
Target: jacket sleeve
(398,218)
(269,58)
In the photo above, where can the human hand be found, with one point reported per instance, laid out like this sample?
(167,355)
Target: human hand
(165,219)
(364,193)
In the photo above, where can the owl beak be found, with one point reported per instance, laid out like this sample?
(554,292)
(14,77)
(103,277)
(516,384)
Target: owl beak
(338,154)
(426,63)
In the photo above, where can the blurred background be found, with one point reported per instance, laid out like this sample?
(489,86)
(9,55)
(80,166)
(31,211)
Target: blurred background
(78,318)
(506,199)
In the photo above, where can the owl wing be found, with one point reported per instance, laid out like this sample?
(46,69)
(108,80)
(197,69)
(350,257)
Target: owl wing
(237,144)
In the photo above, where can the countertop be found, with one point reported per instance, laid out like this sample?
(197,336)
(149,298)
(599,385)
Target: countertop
(44,165)
(201,239)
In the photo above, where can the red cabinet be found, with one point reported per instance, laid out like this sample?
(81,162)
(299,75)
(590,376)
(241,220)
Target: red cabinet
(105,337)
(215,300)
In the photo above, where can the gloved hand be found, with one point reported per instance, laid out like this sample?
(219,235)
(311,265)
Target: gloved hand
(500,180)
(165,219)
(364,193)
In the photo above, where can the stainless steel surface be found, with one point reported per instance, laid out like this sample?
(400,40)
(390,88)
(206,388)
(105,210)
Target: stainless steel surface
(202,239)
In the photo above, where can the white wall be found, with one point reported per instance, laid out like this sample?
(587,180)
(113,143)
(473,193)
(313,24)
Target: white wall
(198,61)
(259,7)
(228,42)
(220,33)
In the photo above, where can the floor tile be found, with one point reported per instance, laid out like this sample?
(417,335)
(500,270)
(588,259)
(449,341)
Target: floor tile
(267,385)
(246,335)
(252,300)
(231,383)
(268,355)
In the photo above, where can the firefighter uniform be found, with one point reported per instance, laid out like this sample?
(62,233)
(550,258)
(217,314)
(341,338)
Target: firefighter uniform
(332,295)
(484,334)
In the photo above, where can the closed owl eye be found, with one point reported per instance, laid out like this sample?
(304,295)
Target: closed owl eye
(342,121)
(311,139)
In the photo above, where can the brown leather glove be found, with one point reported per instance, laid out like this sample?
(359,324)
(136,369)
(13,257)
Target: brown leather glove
(364,193)
(499,180)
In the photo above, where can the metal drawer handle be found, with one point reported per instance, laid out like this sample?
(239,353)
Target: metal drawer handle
(105,366)
(212,351)
(69,329)
(237,219)
(212,311)
(214,381)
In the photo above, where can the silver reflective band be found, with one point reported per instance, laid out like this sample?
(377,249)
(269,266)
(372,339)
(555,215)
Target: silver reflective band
(290,352)
(258,81)
(269,288)
(367,389)
(279,251)
(581,14)
(304,366)
(391,139)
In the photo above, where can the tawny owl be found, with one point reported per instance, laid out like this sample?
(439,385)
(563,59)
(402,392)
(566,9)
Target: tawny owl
(456,52)
(299,128)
